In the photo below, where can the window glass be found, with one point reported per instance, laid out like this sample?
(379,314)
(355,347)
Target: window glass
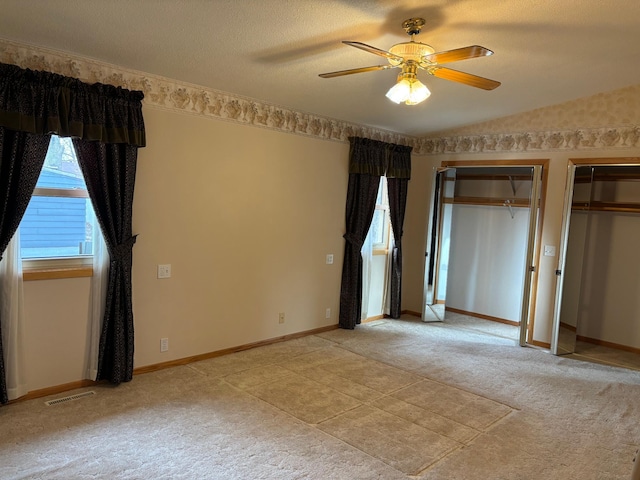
(59,219)
(61,169)
(377,227)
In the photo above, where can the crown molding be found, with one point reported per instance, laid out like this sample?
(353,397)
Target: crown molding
(193,99)
(170,94)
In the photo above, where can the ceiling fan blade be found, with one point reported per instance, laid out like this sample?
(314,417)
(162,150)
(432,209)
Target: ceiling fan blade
(466,78)
(374,50)
(355,70)
(458,54)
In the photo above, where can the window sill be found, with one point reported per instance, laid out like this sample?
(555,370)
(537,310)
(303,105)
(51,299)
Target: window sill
(380,251)
(57,273)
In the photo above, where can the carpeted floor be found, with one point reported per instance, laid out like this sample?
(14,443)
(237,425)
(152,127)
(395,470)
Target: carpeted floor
(393,399)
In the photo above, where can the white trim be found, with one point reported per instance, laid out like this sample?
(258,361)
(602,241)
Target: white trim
(39,264)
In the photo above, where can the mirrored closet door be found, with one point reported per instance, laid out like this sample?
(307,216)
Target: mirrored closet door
(598,274)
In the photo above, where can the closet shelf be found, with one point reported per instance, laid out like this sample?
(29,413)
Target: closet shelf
(484,177)
(620,207)
(488,201)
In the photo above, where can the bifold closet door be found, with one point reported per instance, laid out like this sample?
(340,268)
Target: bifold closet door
(569,273)
(438,241)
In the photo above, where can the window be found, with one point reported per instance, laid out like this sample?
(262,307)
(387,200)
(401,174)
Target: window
(379,229)
(59,221)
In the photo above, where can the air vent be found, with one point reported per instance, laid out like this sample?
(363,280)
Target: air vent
(69,398)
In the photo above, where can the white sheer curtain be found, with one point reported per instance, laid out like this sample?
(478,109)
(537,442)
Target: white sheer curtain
(97,302)
(367,257)
(12,315)
(12,312)
(386,289)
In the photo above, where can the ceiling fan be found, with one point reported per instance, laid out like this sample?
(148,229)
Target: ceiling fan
(411,56)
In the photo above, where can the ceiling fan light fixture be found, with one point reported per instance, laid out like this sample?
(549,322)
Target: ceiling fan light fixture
(400,91)
(419,93)
(409,90)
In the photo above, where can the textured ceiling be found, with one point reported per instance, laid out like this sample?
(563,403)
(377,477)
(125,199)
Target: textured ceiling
(546,51)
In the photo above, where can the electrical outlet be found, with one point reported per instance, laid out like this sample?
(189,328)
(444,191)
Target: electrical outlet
(327,313)
(329,259)
(164,271)
(164,344)
(281,317)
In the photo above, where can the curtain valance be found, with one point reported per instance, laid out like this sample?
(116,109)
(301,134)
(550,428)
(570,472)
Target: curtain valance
(399,161)
(43,102)
(373,157)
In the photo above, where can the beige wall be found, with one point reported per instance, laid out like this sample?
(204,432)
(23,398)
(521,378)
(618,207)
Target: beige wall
(244,215)
(56,331)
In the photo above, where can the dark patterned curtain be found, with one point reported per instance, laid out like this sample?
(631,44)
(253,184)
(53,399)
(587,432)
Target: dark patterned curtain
(109,171)
(21,158)
(368,161)
(107,125)
(397,184)
(361,203)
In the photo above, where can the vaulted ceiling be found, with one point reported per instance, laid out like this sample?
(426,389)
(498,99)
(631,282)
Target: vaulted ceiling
(546,51)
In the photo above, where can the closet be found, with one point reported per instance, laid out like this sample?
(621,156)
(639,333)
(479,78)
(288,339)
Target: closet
(598,290)
(480,243)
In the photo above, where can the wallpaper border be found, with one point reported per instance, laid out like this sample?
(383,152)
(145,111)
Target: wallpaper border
(193,99)
(173,95)
(626,136)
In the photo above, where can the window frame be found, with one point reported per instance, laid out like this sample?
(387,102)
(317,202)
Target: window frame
(40,268)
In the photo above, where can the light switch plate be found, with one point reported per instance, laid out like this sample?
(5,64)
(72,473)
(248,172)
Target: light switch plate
(164,271)
(549,251)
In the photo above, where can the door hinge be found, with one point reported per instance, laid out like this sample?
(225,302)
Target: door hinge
(532,269)
(558,272)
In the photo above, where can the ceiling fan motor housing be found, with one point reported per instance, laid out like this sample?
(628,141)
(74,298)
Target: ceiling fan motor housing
(410,51)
